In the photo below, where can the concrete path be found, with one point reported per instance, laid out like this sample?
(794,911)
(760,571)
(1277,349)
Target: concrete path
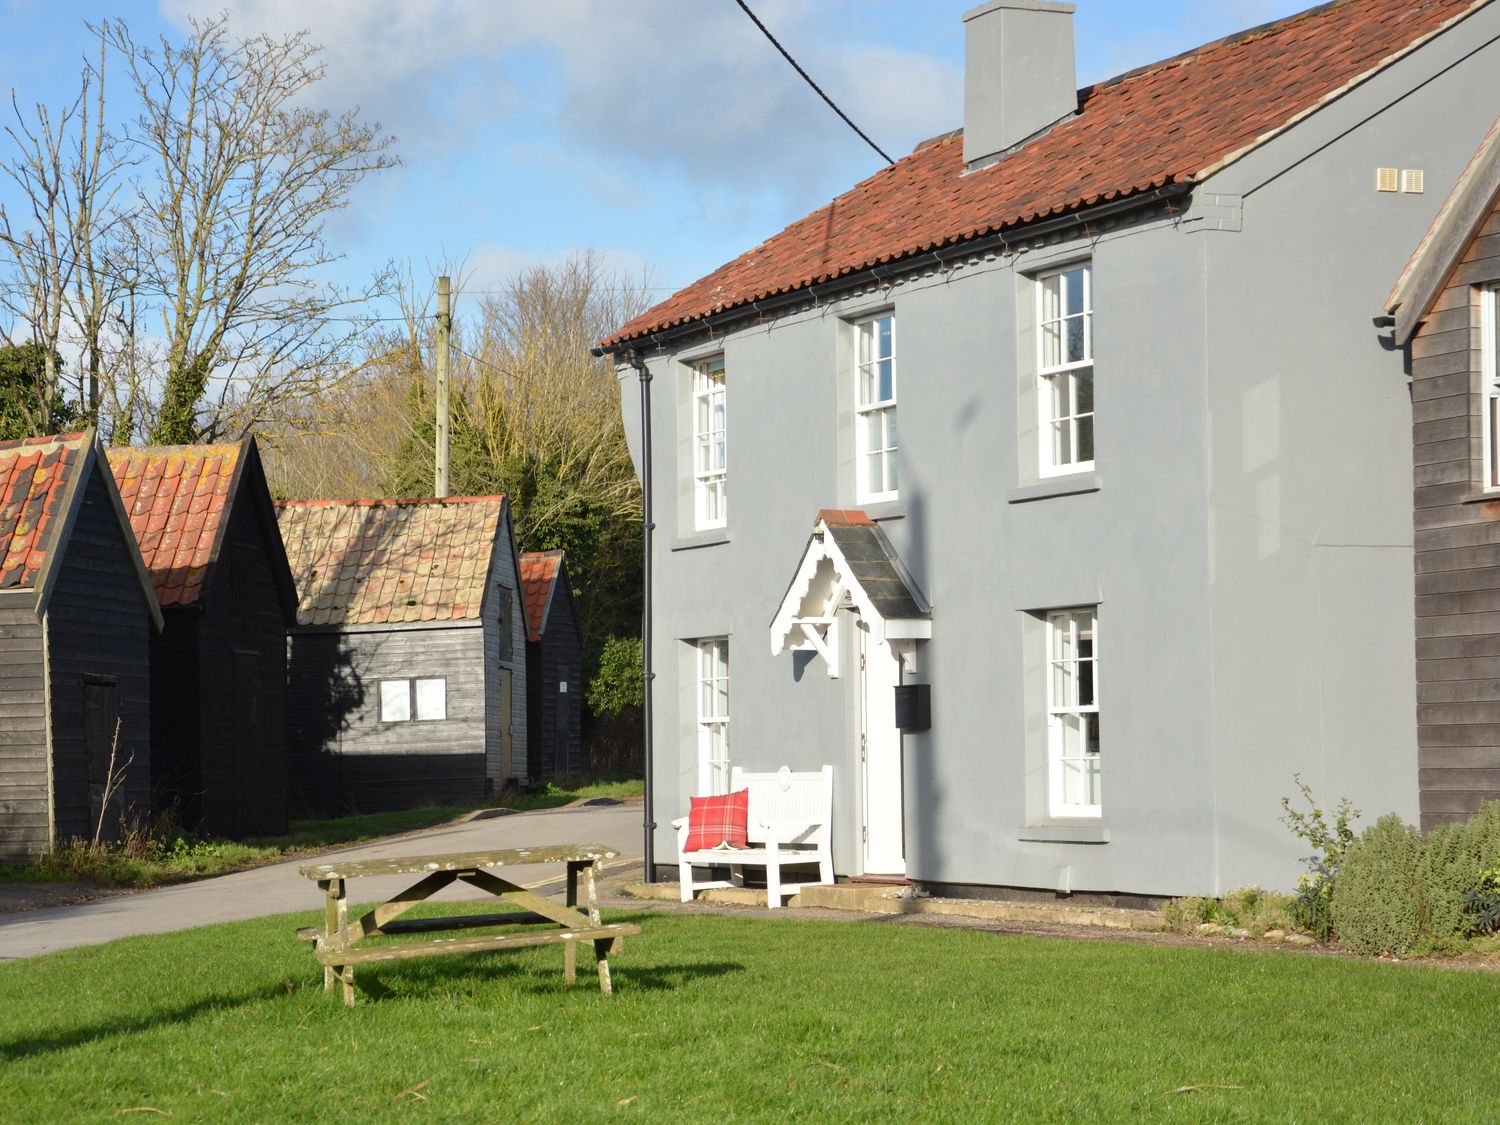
(278,889)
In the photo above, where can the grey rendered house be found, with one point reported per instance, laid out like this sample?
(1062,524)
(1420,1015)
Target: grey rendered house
(406,671)
(1093,390)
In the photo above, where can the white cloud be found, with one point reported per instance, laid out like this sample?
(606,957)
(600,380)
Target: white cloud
(684,84)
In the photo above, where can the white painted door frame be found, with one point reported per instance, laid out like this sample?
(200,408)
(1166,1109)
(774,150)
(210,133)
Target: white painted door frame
(878,750)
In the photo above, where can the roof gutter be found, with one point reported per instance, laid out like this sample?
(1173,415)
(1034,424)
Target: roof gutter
(643,373)
(881,271)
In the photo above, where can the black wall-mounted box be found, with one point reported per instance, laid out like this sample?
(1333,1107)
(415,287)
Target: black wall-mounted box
(914,706)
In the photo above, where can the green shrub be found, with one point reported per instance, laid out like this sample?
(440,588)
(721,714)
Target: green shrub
(1184,915)
(1312,909)
(1482,904)
(617,686)
(1450,870)
(1483,829)
(1254,909)
(1377,898)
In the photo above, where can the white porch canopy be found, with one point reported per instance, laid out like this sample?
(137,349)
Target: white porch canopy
(849,561)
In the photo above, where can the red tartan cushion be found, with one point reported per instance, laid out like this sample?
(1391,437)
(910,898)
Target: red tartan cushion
(718,820)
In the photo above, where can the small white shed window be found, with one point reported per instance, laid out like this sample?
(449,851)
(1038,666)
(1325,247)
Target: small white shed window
(713,716)
(432,699)
(1065,369)
(875,434)
(710,445)
(1073,712)
(426,700)
(1489,322)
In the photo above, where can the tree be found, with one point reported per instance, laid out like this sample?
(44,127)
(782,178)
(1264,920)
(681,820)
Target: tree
(178,257)
(537,417)
(26,408)
(65,164)
(243,178)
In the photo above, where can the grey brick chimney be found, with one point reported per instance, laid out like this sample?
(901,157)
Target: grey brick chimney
(1019,75)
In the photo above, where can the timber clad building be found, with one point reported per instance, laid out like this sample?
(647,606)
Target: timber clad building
(1446,306)
(554,667)
(406,670)
(206,527)
(1150,494)
(77,612)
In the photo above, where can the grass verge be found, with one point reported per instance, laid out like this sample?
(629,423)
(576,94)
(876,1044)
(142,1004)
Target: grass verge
(743,1018)
(146,862)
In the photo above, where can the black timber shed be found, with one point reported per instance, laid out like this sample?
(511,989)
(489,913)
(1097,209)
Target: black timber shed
(206,527)
(77,613)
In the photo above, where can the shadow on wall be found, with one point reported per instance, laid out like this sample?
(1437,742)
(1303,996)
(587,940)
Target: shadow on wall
(324,693)
(921,790)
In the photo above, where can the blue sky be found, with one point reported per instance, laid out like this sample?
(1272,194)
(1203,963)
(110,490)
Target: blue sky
(667,134)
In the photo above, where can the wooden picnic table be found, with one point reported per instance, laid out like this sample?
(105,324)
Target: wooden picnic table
(336,942)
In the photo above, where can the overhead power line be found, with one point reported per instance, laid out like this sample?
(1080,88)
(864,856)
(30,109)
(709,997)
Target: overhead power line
(808,79)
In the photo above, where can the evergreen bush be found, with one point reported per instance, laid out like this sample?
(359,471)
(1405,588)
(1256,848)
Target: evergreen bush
(1450,870)
(1377,899)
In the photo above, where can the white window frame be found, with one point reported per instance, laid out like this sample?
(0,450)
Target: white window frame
(392,687)
(871,413)
(710,444)
(711,688)
(1489,384)
(1063,711)
(1068,370)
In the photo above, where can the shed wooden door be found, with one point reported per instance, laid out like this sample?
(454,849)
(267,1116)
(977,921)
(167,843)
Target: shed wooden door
(507,763)
(245,798)
(101,717)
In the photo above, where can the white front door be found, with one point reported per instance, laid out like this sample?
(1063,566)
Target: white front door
(880,757)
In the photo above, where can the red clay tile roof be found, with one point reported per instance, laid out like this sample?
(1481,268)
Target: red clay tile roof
(376,562)
(844,517)
(34,478)
(177,499)
(539,571)
(1169,123)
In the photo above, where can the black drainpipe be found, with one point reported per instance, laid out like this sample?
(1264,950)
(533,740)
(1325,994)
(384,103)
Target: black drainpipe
(647,675)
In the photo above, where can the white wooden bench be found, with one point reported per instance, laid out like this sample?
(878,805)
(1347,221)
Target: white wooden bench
(790,823)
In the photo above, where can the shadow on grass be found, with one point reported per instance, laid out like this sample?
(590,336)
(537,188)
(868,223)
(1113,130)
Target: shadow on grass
(411,981)
(16,1049)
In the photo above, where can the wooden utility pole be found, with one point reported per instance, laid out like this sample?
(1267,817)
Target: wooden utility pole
(444,325)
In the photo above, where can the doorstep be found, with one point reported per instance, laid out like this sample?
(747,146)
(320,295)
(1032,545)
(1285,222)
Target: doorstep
(877,898)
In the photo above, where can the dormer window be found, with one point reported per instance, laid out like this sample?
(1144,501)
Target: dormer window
(875,408)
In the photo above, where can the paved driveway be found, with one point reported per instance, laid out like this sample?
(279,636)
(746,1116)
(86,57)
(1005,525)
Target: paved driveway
(278,889)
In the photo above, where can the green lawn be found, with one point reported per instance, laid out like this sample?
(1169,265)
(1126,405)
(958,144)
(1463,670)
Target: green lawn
(750,1018)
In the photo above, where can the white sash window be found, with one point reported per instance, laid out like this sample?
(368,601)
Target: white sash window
(710,448)
(1489,313)
(1073,712)
(713,716)
(1065,369)
(875,408)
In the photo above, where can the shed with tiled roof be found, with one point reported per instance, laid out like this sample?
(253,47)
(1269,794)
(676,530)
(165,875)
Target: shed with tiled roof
(77,612)
(407,666)
(206,527)
(554,665)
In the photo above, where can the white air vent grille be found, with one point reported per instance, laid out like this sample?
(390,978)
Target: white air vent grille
(1385,179)
(1411,180)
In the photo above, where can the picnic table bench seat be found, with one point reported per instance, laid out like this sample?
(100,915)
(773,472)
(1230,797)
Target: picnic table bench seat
(336,941)
(790,823)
